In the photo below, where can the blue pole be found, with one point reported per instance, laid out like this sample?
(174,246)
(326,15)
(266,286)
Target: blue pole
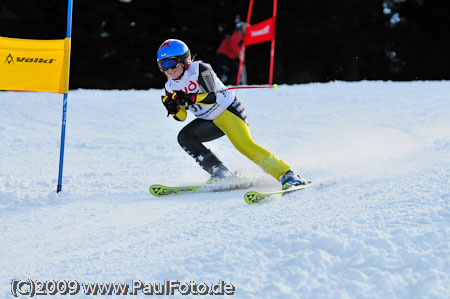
(64,113)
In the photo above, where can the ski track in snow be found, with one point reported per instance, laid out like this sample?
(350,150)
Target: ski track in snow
(378,228)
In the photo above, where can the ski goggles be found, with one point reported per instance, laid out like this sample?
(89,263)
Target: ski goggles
(166,64)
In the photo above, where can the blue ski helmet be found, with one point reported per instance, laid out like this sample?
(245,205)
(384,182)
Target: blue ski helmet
(173,48)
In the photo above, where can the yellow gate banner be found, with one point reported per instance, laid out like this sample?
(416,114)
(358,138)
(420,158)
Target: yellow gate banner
(34,65)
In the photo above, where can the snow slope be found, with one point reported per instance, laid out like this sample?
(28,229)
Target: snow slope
(379,227)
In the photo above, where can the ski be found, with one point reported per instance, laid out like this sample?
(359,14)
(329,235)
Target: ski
(253,197)
(161,190)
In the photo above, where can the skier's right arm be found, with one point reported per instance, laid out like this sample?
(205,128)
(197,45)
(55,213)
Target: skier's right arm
(173,108)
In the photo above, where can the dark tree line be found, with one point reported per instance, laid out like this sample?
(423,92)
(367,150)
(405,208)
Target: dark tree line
(115,41)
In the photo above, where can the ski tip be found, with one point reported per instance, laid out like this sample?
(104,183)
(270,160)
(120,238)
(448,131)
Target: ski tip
(156,190)
(253,197)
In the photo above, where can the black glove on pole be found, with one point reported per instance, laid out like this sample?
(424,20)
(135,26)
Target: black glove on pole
(170,104)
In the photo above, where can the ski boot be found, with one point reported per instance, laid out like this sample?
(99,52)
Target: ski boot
(290,179)
(220,172)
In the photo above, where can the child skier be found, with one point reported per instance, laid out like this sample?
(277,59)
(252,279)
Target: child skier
(195,87)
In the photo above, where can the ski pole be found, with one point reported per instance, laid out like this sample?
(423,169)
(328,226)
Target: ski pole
(274,86)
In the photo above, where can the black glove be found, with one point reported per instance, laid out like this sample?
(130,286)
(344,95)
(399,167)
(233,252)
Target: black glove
(184,99)
(170,104)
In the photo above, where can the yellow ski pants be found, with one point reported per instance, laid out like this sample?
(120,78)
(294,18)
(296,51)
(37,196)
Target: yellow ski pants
(239,134)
